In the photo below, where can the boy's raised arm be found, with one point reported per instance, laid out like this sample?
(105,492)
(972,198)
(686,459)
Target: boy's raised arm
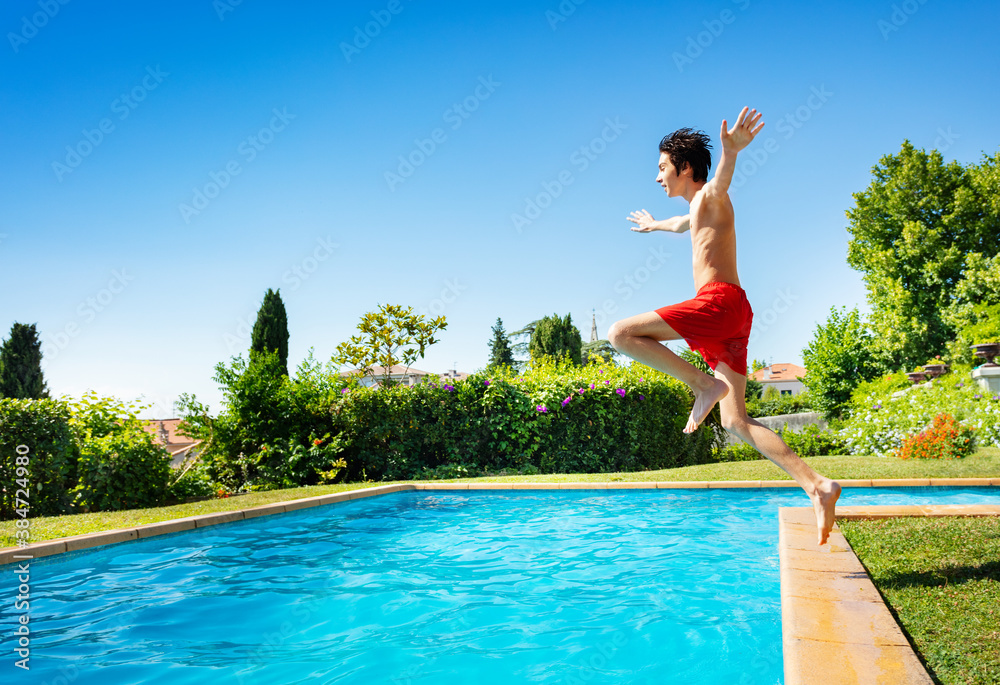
(733,140)
(646,222)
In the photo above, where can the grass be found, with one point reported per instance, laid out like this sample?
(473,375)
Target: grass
(941,577)
(984,463)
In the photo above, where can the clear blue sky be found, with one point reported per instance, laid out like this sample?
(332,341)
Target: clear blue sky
(115,116)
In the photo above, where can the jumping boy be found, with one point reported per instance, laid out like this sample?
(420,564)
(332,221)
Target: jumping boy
(716,323)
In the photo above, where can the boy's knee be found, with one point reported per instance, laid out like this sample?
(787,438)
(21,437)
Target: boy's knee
(616,334)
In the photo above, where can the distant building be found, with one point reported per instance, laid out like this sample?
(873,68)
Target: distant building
(403,375)
(164,433)
(786,378)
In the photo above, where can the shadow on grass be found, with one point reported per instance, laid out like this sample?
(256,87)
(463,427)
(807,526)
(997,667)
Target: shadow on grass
(946,575)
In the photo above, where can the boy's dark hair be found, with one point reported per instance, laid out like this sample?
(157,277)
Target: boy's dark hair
(687,146)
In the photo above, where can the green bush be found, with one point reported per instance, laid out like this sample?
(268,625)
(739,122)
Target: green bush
(193,482)
(43,427)
(120,466)
(122,470)
(273,431)
(740,451)
(549,418)
(879,422)
(782,404)
(812,441)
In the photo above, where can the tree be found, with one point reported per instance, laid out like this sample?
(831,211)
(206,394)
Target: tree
(840,356)
(500,351)
(524,336)
(270,331)
(969,314)
(21,365)
(556,337)
(912,232)
(602,349)
(382,334)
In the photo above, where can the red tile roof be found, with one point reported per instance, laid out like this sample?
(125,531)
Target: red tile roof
(173,439)
(779,372)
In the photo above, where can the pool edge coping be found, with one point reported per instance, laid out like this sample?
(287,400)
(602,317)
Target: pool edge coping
(831,609)
(9,555)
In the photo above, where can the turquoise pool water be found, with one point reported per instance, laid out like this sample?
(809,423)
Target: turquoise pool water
(548,586)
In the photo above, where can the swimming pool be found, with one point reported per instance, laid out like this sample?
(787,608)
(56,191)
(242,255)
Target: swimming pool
(465,586)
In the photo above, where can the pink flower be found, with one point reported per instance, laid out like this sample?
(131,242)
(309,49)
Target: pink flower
(486,383)
(607,382)
(566,401)
(591,386)
(542,408)
(621,391)
(641,397)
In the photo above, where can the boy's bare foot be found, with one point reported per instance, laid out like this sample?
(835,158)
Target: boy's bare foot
(824,502)
(704,400)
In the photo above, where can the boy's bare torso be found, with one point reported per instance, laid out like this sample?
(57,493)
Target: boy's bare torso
(713,240)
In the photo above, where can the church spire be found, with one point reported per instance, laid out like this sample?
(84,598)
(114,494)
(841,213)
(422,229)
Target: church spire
(593,326)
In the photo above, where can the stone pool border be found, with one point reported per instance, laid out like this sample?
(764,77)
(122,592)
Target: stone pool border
(831,612)
(37,550)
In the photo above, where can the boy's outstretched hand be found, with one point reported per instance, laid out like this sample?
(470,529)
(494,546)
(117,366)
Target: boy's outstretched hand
(645,221)
(740,135)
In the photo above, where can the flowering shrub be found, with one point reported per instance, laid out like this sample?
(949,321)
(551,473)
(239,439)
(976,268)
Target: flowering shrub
(555,417)
(885,412)
(945,439)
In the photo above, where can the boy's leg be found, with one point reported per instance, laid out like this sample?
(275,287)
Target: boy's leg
(638,337)
(821,490)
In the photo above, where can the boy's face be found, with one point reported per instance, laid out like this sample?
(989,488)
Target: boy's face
(668,177)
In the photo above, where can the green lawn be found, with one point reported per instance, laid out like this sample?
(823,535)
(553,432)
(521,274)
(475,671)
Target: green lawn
(942,579)
(985,463)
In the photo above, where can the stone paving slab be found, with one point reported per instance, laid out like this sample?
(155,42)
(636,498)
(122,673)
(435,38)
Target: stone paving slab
(832,613)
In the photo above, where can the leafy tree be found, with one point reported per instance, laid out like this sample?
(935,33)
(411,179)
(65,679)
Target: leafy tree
(500,352)
(21,365)
(969,314)
(600,349)
(840,356)
(524,340)
(270,331)
(556,337)
(382,334)
(912,233)
(273,431)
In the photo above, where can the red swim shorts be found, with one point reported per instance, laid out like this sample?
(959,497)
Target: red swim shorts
(715,323)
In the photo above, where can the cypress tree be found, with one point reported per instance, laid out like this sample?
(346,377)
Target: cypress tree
(500,352)
(21,364)
(270,331)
